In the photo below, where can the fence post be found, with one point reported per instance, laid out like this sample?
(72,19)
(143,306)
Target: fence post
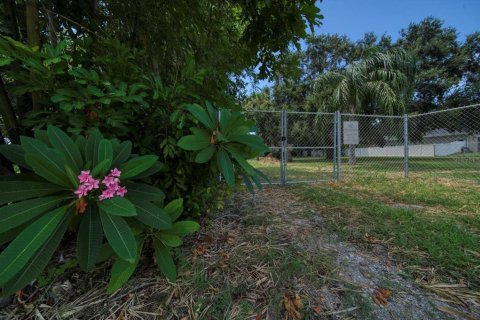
(339,145)
(405,145)
(283,153)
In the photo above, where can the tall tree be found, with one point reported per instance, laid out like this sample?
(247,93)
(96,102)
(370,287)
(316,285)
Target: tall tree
(439,62)
(382,79)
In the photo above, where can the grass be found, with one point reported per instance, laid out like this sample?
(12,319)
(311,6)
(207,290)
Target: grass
(431,220)
(461,166)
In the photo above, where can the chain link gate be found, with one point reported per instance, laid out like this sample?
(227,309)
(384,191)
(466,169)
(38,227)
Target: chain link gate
(302,144)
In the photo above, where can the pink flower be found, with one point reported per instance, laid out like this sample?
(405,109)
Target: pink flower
(107,194)
(91,184)
(115,172)
(84,176)
(121,191)
(81,191)
(110,181)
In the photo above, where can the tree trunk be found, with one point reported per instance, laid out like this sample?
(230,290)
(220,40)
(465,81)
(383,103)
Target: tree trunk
(10,8)
(8,115)
(33,36)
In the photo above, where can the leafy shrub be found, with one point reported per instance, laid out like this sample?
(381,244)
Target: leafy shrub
(223,138)
(94,186)
(103,84)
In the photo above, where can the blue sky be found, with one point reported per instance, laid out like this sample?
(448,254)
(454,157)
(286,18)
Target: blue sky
(356,17)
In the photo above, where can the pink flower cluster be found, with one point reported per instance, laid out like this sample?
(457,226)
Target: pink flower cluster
(111,183)
(87,184)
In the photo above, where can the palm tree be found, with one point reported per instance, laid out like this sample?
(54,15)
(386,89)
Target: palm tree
(384,79)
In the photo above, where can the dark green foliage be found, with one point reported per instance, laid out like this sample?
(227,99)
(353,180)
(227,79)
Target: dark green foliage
(36,212)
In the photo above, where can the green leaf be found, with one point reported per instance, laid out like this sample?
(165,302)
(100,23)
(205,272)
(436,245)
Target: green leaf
(42,135)
(193,142)
(254,142)
(121,153)
(174,208)
(200,114)
(20,190)
(248,183)
(15,154)
(137,165)
(152,215)
(157,167)
(40,259)
(46,162)
(205,154)
(240,160)
(226,167)
(63,143)
(118,206)
(72,176)
(80,142)
(164,260)
(16,214)
(169,240)
(122,270)
(89,238)
(91,146)
(211,112)
(144,192)
(183,228)
(50,166)
(102,167)
(120,236)
(20,250)
(105,152)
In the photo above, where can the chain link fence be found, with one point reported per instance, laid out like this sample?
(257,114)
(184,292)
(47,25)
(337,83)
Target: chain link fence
(314,146)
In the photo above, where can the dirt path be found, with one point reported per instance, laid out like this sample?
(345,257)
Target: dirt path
(364,285)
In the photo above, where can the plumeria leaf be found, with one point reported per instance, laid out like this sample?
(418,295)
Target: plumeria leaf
(226,167)
(20,190)
(105,153)
(24,246)
(118,206)
(174,208)
(152,215)
(193,142)
(119,235)
(63,143)
(144,192)
(122,270)
(40,259)
(137,165)
(89,238)
(200,114)
(206,154)
(164,260)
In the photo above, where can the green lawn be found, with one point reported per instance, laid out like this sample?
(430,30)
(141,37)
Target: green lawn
(431,220)
(457,167)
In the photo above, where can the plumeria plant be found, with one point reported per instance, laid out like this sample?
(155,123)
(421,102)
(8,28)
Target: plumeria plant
(227,140)
(92,186)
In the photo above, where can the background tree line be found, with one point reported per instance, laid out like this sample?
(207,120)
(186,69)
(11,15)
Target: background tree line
(447,69)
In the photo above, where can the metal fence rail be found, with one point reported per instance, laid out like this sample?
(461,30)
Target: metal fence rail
(316,146)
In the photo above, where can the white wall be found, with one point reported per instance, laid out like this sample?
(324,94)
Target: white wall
(417,150)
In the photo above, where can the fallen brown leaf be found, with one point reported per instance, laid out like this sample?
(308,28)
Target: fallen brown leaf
(380,296)
(292,305)
(317,309)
